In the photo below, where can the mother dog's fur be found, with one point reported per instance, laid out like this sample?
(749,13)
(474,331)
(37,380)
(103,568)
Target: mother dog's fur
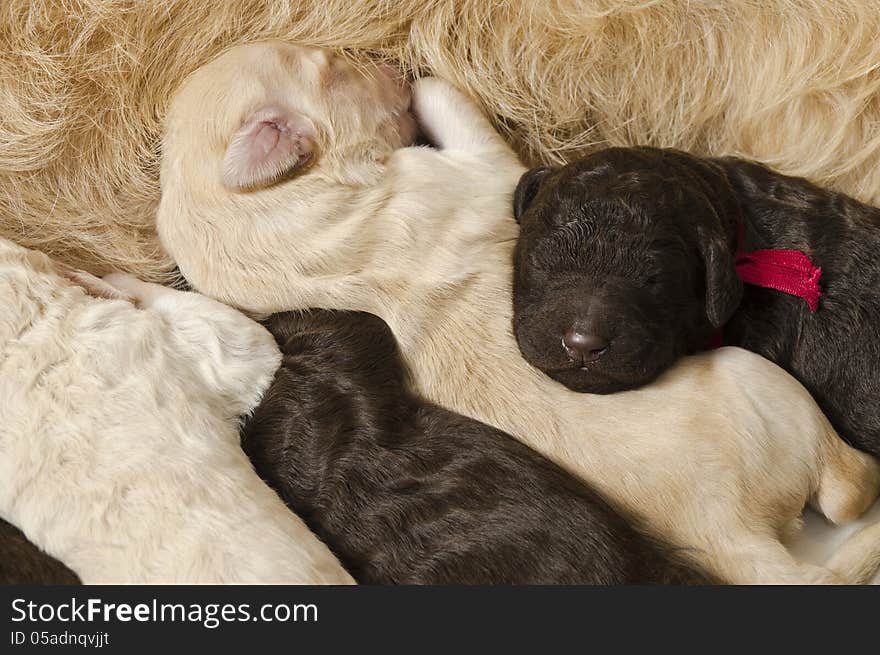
(84,87)
(119,449)
(720,455)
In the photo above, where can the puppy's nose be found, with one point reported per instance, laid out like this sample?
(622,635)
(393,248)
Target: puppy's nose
(583,347)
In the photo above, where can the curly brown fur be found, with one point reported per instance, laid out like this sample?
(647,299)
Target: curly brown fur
(84,86)
(406,492)
(21,562)
(637,245)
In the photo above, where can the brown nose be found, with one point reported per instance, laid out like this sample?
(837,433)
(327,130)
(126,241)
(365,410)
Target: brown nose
(583,347)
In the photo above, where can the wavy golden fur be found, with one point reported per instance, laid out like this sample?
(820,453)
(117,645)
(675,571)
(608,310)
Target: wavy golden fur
(84,86)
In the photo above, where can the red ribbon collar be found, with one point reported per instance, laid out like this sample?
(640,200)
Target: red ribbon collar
(788,271)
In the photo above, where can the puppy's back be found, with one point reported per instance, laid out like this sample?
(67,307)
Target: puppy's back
(406,492)
(119,435)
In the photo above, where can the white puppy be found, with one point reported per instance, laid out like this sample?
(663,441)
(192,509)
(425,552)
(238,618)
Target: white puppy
(119,447)
(285,185)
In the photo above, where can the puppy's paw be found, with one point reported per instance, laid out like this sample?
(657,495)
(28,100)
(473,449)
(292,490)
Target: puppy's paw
(435,102)
(141,293)
(451,120)
(92,284)
(432,89)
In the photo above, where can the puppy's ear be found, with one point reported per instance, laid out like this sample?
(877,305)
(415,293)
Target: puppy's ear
(272,142)
(528,186)
(718,213)
(724,289)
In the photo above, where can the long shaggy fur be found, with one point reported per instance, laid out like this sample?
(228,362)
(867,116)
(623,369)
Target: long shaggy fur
(84,85)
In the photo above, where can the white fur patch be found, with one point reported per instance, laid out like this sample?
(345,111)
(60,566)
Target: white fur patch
(119,446)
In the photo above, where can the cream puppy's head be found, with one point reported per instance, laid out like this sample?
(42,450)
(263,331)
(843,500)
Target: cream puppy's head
(264,112)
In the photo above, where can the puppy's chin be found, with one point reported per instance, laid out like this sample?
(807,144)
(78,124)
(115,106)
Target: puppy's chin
(402,124)
(598,379)
(407,129)
(399,131)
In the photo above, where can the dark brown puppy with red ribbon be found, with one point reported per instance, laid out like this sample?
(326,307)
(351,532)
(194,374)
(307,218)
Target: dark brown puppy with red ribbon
(633,257)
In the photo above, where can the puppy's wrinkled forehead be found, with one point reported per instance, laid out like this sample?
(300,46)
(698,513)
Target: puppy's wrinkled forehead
(606,213)
(236,82)
(603,198)
(262,111)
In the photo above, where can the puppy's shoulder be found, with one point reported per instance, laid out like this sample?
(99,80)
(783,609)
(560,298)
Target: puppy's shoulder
(755,182)
(426,162)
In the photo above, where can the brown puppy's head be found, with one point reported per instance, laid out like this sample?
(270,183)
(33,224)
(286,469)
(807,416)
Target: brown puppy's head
(354,350)
(624,263)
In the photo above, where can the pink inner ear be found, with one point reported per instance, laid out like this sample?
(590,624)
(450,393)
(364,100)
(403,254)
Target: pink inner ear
(271,143)
(267,136)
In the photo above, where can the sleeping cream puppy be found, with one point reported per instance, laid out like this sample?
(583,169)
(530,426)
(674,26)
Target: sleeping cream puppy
(289,182)
(119,449)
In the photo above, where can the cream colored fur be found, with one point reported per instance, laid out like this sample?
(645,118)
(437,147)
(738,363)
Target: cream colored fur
(85,84)
(119,450)
(719,456)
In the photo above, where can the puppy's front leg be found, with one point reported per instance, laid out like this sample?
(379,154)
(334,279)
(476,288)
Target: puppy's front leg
(451,120)
(188,308)
(235,355)
(143,294)
(94,286)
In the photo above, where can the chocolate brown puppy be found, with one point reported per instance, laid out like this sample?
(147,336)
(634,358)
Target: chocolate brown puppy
(405,492)
(627,260)
(21,562)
